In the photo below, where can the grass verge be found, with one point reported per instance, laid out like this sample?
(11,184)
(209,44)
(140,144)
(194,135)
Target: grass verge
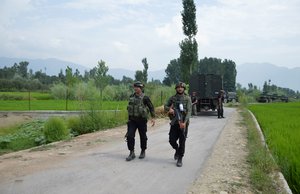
(59,105)
(262,166)
(41,132)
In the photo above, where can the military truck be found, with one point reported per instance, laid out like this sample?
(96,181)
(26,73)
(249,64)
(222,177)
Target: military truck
(231,97)
(271,97)
(207,87)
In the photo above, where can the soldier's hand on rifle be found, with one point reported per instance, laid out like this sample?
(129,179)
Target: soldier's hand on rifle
(152,122)
(171,111)
(182,125)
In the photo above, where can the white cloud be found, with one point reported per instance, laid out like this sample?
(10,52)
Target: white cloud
(124,48)
(123,32)
(171,33)
(9,9)
(250,30)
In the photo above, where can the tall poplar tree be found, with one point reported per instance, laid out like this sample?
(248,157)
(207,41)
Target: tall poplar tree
(142,75)
(189,46)
(101,78)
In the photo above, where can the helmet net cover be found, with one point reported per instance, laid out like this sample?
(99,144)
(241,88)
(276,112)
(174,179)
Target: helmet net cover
(180,84)
(138,84)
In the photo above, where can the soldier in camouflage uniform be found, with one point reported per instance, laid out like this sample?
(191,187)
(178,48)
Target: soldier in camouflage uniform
(220,104)
(179,108)
(138,108)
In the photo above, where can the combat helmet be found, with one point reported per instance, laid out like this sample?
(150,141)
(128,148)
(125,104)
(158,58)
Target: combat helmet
(180,84)
(138,84)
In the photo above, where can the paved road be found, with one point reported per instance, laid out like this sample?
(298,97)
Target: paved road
(105,171)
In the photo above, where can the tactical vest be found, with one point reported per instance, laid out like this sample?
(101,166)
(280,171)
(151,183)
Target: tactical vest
(136,107)
(176,100)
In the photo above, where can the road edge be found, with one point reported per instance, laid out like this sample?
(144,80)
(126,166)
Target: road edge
(263,141)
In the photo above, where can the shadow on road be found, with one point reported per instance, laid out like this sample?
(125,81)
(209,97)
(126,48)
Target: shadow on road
(207,113)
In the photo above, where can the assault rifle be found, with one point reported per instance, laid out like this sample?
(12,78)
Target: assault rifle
(178,116)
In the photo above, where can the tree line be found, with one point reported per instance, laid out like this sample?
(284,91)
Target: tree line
(225,68)
(19,78)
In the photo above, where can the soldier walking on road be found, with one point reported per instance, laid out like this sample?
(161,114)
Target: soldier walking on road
(194,103)
(138,108)
(179,109)
(220,104)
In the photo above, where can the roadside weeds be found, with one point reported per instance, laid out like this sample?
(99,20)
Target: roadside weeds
(264,176)
(239,163)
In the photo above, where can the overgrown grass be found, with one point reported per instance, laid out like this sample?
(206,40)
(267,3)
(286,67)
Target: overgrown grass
(262,166)
(36,133)
(281,127)
(25,96)
(21,137)
(93,121)
(55,130)
(59,105)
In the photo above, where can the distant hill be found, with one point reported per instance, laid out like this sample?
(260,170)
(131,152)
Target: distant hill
(258,73)
(53,66)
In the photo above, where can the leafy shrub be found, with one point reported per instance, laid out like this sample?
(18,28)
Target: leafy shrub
(159,94)
(59,91)
(95,120)
(22,136)
(85,91)
(21,143)
(55,130)
(75,126)
(116,92)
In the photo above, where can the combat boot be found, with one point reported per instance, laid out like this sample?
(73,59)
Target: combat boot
(131,156)
(142,155)
(179,162)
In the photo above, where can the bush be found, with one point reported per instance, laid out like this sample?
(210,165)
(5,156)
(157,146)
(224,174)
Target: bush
(95,120)
(55,130)
(75,126)
(59,90)
(159,94)
(85,91)
(116,92)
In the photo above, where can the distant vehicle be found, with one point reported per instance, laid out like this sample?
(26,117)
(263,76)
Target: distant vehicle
(231,97)
(284,98)
(207,87)
(268,97)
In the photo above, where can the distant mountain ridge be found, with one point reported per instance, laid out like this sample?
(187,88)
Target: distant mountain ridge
(50,66)
(53,66)
(258,73)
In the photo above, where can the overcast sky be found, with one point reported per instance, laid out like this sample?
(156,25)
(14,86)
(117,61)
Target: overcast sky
(122,32)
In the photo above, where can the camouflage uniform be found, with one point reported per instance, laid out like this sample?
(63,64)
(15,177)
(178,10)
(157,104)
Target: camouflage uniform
(175,132)
(138,109)
(220,104)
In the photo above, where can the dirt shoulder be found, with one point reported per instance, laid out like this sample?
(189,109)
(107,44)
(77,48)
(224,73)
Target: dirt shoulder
(26,162)
(226,170)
